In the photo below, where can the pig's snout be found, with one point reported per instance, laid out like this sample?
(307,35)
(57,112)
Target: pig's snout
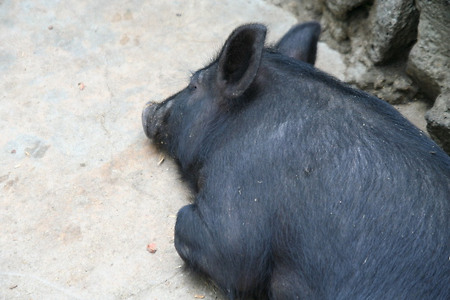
(149,116)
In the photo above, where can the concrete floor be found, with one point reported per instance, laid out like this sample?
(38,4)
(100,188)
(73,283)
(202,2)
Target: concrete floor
(81,190)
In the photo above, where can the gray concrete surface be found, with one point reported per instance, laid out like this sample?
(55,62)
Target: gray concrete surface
(81,190)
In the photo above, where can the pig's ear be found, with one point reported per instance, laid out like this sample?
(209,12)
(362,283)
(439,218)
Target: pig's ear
(300,42)
(239,59)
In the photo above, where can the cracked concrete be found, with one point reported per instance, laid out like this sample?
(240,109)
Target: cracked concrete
(82,192)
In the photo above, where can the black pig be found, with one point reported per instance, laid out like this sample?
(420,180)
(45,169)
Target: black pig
(304,187)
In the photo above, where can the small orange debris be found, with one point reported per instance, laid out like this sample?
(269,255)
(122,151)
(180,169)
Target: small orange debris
(151,248)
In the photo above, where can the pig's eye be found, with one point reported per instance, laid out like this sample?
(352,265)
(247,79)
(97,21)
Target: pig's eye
(192,86)
(195,80)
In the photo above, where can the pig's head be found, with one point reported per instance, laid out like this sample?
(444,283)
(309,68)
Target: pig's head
(180,124)
(186,123)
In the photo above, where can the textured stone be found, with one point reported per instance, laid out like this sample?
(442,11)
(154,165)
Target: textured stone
(394,28)
(429,65)
(429,60)
(340,8)
(395,89)
(337,28)
(438,121)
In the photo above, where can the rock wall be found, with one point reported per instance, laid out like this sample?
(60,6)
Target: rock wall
(398,50)
(429,64)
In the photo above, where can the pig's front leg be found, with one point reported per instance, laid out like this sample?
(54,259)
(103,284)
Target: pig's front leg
(198,248)
(205,246)
(192,239)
